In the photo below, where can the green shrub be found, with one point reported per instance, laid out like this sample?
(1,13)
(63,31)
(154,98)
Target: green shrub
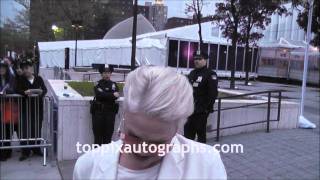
(85,88)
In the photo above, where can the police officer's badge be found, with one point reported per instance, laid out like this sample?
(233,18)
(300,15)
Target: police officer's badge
(113,87)
(199,79)
(214,77)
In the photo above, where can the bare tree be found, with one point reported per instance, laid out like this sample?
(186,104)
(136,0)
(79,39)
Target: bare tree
(302,19)
(14,35)
(22,19)
(79,10)
(256,14)
(227,16)
(194,8)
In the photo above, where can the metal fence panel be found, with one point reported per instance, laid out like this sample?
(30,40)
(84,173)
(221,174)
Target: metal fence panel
(30,118)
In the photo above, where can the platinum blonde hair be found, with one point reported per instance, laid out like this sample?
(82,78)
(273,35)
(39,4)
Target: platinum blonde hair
(158,92)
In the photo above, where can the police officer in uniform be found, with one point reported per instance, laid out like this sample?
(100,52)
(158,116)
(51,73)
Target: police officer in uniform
(104,107)
(205,90)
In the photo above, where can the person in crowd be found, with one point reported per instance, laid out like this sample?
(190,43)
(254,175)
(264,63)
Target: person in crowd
(30,85)
(7,81)
(104,107)
(9,62)
(157,102)
(17,69)
(6,130)
(205,91)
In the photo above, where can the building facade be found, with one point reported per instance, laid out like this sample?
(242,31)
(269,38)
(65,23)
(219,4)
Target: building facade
(157,14)
(282,49)
(174,22)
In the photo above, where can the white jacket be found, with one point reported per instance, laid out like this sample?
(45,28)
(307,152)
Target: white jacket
(102,162)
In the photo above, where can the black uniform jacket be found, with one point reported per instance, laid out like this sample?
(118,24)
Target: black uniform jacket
(23,84)
(104,92)
(205,89)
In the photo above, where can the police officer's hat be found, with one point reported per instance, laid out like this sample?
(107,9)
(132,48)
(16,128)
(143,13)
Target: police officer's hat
(26,63)
(200,55)
(106,69)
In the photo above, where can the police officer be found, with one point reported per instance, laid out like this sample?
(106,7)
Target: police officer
(204,82)
(104,108)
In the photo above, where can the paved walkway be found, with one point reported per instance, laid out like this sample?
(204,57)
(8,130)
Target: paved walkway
(280,154)
(30,169)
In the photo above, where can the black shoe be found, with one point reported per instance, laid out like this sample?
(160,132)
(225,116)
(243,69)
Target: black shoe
(3,158)
(37,153)
(9,154)
(23,157)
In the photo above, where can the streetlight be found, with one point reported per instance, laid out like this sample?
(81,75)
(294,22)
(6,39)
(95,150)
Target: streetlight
(54,27)
(76,24)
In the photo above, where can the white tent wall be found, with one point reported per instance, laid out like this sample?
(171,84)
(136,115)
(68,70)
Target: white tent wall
(86,57)
(52,58)
(153,55)
(101,51)
(120,56)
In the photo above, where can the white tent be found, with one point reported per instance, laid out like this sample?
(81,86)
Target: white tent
(151,46)
(111,51)
(210,34)
(124,28)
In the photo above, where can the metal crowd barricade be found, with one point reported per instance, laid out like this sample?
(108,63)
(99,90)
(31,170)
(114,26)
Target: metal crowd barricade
(268,102)
(25,122)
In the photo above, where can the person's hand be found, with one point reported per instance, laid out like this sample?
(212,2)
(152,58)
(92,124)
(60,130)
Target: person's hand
(28,92)
(7,61)
(116,94)
(38,91)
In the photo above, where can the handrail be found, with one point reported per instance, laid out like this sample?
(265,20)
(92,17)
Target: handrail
(17,95)
(243,106)
(250,94)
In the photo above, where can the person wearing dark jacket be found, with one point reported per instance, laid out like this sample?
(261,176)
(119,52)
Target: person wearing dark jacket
(7,126)
(6,79)
(33,89)
(104,108)
(205,91)
(17,69)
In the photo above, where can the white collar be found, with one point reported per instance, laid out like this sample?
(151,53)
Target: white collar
(108,164)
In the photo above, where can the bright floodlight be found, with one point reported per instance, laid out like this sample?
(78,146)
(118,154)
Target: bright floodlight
(54,27)
(315,49)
